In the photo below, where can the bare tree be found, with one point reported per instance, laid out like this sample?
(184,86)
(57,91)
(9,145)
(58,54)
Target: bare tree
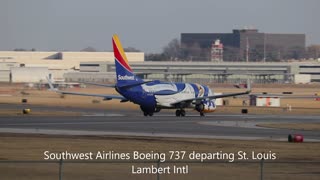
(231,53)
(295,52)
(172,51)
(155,57)
(22,49)
(313,51)
(131,49)
(194,51)
(89,49)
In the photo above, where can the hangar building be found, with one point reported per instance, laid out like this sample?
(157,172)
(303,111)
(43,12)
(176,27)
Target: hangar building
(62,60)
(203,72)
(15,64)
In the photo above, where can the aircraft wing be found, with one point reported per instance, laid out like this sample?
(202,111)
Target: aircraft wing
(287,96)
(97,84)
(113,85)
(104,96)
(210,97)
(198,99)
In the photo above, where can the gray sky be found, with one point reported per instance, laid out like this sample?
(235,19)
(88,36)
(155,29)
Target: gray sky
(144,24)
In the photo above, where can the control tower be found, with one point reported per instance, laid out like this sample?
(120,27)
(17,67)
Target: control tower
(217,51)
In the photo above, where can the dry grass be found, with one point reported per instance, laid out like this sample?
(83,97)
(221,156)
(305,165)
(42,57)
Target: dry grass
(44,97)
(15,112)
(31,147)
(294,126)
(267,110)
(49,98)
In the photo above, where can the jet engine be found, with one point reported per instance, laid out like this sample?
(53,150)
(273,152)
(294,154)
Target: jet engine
(206,106)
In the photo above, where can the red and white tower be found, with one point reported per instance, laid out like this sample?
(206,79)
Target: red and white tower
(217,51)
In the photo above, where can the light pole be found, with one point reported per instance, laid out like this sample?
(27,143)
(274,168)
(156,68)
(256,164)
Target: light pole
(264,47)
(247,52)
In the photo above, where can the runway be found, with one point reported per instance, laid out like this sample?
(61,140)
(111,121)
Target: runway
(163,124)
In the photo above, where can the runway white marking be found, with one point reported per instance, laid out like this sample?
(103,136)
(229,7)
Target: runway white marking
(248,116)
(134,134)
(104,114)
(206,115)
(78,123)
(242,124)
(281,117)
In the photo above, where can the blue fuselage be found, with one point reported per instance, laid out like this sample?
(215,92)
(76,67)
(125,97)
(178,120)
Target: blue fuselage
(158,94)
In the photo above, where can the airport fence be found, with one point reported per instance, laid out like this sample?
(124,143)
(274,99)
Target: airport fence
(68,169)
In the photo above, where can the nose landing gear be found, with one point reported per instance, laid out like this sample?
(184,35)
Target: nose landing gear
(145,113)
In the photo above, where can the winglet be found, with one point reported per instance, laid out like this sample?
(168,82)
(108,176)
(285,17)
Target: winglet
(248,85)
(51,85)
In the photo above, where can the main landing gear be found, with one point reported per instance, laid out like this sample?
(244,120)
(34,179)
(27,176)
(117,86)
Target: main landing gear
(180,112)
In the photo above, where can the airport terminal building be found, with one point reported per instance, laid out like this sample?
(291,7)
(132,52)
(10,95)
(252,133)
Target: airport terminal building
(99,67)
(246,44)
(205,72)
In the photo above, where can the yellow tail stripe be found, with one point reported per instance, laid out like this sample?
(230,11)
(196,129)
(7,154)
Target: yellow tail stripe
(120,49)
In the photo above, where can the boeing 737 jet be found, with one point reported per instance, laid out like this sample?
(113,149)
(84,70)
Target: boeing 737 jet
(152,96)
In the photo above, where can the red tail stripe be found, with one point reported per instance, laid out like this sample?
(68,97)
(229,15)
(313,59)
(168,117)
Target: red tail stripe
(119,57)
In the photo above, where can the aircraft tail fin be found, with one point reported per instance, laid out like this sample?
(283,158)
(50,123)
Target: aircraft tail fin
(125,75)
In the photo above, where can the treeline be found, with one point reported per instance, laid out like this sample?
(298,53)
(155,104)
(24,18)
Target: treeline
(174,51)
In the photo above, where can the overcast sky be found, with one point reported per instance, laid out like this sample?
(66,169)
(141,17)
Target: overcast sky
(148,25)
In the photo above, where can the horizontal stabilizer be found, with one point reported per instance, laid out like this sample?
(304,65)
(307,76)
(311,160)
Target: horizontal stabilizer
(97,84)
(133,84)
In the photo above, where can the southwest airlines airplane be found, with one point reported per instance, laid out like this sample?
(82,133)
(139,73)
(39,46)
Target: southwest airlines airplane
(152,96)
